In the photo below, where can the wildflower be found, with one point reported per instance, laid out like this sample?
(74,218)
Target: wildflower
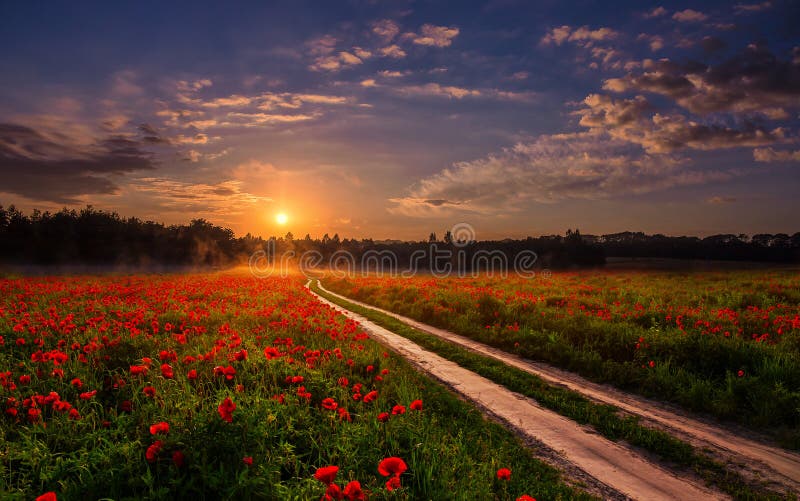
(226,409)
(326,474)
(166,371)
(352,491)
(504,474)
(149,391)
(416,405)
(525,497)
(88,395)
(47,496)
(740,373)
(178,459)
(392,466)
(398,409)
(329,404)
(383,417)
(152,452)
(248,460)
(369,397)
(162,427)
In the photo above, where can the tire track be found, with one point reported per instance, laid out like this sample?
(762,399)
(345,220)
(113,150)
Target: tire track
(618,468)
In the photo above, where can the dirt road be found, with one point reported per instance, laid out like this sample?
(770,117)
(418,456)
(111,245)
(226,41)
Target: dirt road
(779,467)
(621,470)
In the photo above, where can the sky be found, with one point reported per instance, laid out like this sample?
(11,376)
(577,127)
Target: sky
(392,119)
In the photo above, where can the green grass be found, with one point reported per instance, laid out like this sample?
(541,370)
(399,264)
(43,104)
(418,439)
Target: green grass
(603,418)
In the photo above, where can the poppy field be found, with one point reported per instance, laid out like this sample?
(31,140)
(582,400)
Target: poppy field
(725,344)
(229,387)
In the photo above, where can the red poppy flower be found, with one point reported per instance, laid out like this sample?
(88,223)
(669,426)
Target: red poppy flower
(353,492)
(74,414)
(416,405)
(383,417)
(166,371)
(152,452)
(24,379)
(226,409)
(330,404)
(149,391)
(525,497)
(740,373)
(162,427)
(326,474)
(178,459)
(248,460)
(393,483)
(192,375)
(398,409)
(392,466)
(504,474)
(47,496)
(332,492)
(369,397)
(88,395)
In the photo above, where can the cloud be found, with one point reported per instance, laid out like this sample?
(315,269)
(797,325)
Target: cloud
(393,74)
(196,139)
(753,81)
(717,200)
(629,120)
(655,12)
(393,51)
(548,169)
(746,8)
(186,86)
(151,135)
(386,29)
(335,62)
(689,16)
(256,119)
(369,82)
(321,46)
(222,201)
(433,36)
(434,89)
(769,155)
(49,166)
(581,35)
(656,42)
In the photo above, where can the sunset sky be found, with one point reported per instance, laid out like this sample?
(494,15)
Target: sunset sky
(393,119)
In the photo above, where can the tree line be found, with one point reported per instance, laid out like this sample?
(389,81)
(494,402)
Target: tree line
(95,237)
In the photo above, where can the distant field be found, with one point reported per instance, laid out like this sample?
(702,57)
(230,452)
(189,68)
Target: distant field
(228,387)
(720,342)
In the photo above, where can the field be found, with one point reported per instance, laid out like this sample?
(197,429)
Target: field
(722,343)
(225,386)
(229,387)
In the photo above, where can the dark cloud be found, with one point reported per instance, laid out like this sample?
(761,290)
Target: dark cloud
(753,81)
(712,44)
(151,135)
(50,167)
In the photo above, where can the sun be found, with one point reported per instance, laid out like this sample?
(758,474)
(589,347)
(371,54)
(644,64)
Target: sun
(281,218)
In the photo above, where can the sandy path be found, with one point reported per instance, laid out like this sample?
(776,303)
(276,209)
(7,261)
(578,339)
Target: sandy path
(615,466)
(765,461)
